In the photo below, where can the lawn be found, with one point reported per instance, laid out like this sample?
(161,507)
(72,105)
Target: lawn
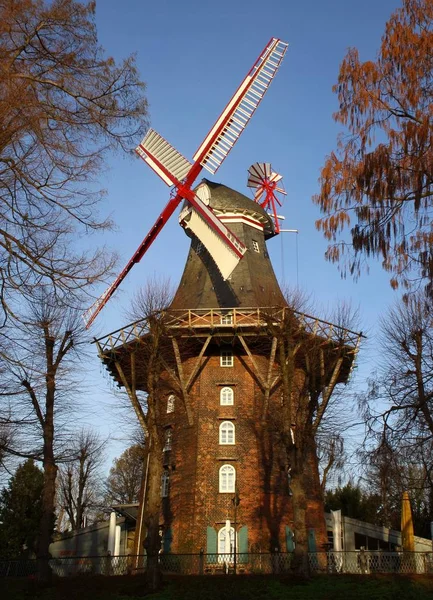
(338,587)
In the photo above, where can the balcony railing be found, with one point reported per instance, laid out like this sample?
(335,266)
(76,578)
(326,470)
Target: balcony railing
(229,319)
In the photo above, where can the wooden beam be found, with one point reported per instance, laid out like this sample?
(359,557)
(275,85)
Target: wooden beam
(326,394)
(197,364)
(268,379)
(132,397)
(256,370)
(133,374)
(271,361)
(182,381)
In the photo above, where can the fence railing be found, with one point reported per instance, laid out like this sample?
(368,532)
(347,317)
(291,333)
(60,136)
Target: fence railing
(361,562)
(229,318)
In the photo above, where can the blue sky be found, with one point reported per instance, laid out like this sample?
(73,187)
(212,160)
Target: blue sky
(192,56)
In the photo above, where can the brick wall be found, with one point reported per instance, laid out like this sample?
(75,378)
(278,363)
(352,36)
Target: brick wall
(194,502)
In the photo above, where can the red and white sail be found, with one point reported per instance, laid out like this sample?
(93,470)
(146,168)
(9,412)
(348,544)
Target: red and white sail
(266,184)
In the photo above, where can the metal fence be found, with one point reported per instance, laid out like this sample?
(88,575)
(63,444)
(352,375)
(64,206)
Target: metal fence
(361,562)
(372,561)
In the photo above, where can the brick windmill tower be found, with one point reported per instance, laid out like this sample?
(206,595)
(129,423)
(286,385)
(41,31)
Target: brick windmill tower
(236,379)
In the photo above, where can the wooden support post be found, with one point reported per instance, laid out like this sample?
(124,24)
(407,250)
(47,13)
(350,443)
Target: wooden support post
(132,395)
(182,381)
(256,369)
(268,379)
(327,392)
(197,364)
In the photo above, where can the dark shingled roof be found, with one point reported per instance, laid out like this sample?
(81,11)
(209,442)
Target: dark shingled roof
(225,199)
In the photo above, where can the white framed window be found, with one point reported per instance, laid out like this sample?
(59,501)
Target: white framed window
(226,544)
(170,403)
(199,248)
(256,246)
(226,396)
(165,484)
(226,358)
(227,433)
(227,479)
(227,319)
(168,439)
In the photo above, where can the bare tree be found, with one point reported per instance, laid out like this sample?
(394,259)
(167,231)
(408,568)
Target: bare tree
(153,297)
(398,405)
(126,476)
(63,106)
(332,457)
(79,485)
(145,400)
(313,357)
(390,471)
(41,374)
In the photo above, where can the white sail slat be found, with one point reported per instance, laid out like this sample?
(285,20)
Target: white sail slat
(157,153)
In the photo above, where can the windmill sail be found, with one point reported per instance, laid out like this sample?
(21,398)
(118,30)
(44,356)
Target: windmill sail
(165,160)
(264,181)
(236,115)
(225,258)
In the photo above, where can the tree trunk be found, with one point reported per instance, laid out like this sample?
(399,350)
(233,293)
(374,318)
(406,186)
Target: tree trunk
(300,562)
(50,467)
(152,509)
(47,520)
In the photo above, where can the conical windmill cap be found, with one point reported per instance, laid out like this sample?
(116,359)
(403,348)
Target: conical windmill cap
(225,200)
(253,282)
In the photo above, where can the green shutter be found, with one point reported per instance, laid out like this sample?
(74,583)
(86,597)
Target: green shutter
(211,544)
(243,544)
(312,541)
(290,545)
(167,539)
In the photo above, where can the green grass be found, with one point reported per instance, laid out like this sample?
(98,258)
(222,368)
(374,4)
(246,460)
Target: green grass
(337,587)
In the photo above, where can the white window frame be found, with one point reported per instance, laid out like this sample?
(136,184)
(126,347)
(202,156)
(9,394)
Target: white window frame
(256,246)
(170,403)
(227,396)
(227,479)
(227,433)
(226,358)
(165,484)
(227,319)
(168,440)
(226,547)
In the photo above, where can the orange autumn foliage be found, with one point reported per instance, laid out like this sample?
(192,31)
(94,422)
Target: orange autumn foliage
(378,184)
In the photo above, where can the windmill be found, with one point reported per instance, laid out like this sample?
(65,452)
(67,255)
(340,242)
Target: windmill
(177,172)
(267,184)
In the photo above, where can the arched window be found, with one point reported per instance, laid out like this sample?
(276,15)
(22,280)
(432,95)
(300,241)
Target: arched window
(226,396)
(170,404)
(227,433)
(226,544)
(226,358)
(227,479)
(165,484)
